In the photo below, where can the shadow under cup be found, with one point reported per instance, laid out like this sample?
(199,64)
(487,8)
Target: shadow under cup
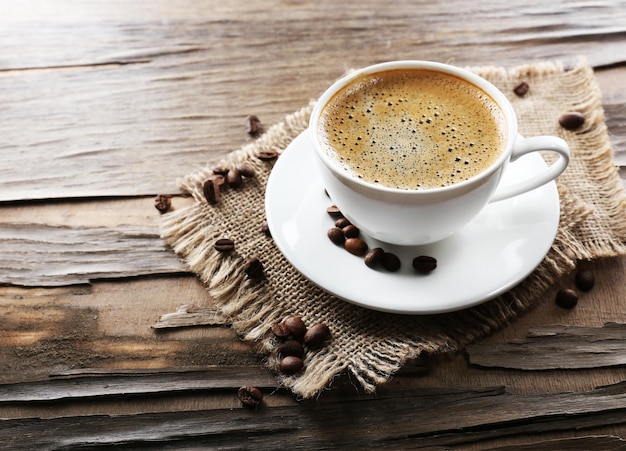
(404,216)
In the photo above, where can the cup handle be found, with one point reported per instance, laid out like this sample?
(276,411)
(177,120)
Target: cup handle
(527,145)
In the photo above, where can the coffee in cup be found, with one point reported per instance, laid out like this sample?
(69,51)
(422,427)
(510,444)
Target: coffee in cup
(412,129)
(411,151)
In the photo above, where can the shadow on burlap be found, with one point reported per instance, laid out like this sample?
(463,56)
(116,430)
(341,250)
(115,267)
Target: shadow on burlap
(371,346)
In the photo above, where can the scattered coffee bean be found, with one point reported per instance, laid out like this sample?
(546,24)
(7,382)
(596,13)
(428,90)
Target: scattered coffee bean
(572,120)
(267,155)
(250,396)
(220,170)
(253,125)
(342,222)
(246,170)
(350,231)
(291,348)
(280,331)
(567,298)
(585,280)
(334,211)
(336,236)
(355,246)
(233,178)
(296,326)
(424,264)
(291,365)
(224,245)
(521,89)
(374,257)
(211,190)
(254,268)
(265,228)
(317,335)
(163,203)
(390,262)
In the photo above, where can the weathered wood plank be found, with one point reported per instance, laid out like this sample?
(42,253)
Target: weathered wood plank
(462,417)
(144,100)
(191,316)
(41,255)
(556,347)
(136,382)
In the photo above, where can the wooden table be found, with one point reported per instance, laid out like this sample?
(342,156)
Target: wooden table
(105,104)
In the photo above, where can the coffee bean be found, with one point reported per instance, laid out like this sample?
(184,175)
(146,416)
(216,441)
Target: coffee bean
(290,365)
(521,89)
(424,264)
(253,125)
(254,268)
(585,280)
(390,262)
(374,257)
(350,231)
(220,170)
(296,326)
(355,246)
(233,178)
(342,222)
(334,211)
(211,190)
(291,348)
(265,228)
(224,245)
(280,331)
(336,236)
(163,203)
(246,170)
(267,155)
(250,396)
(567,298)
(317,335)
(572,120)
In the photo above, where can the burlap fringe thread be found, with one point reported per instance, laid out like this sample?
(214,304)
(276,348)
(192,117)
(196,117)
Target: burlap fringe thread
(372,346)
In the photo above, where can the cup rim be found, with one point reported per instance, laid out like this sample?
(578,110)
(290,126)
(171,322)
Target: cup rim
(481,83)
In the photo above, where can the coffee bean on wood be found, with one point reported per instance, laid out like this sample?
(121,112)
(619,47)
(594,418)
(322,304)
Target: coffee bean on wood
(584,280)
(253,124)
(163,203)
(250,396)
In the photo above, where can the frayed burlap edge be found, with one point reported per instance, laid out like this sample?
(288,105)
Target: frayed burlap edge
(372,354)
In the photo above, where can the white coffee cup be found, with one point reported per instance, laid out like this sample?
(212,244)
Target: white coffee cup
(421,216)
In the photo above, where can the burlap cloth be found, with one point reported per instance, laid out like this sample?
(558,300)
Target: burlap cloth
(369,345)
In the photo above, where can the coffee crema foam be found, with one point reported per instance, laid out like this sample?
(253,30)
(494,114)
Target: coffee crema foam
(413,129)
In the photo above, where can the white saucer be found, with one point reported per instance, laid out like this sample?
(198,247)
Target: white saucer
(489,256)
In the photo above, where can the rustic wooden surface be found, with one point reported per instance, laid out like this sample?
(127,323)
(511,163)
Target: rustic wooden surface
(106,104)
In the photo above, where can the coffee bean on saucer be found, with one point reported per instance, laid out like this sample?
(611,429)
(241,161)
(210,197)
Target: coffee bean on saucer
(521,89)
(350,231)
(254,268)
(250,396)
(246,170)
(355,246)
(390,262)
(224,245)
(291,348)
(585,280)
(374,257)
(572,120)
(424,264)
(567,298)
(336,236)
(317,335)
(334,211)
(342,222)
(290,365)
